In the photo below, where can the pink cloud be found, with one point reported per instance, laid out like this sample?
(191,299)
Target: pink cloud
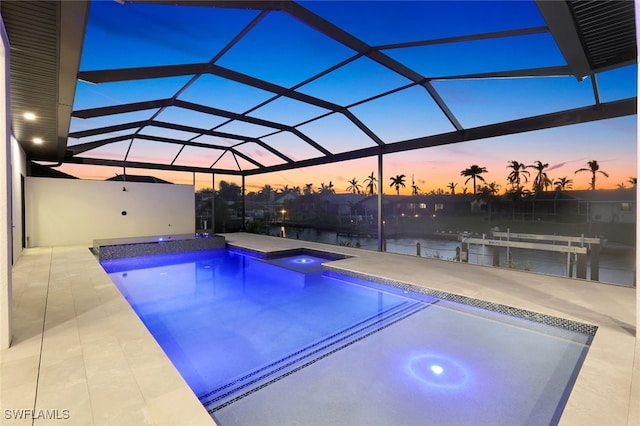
(556,166)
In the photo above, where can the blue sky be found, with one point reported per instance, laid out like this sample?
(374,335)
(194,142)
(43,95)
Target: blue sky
(285,52)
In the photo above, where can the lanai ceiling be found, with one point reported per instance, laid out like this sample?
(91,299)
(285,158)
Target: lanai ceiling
(247,87)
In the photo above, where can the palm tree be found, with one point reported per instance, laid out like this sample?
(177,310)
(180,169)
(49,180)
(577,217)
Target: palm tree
(593,168)
(266,192)
(563,183)
(354,187)
(541,180)
(518,171)
(452,187)
(230,191)
(633,181)
(398,181)
(490,189)
(474,173)
(326,189)
(308,189)
(414,187)
(370,181)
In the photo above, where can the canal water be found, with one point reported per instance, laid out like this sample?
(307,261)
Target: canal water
(617,266)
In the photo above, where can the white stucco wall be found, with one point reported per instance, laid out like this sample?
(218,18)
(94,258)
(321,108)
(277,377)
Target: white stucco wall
(5,193)
(69,211)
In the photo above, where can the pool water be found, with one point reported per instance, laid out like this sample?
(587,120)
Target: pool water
(280,341)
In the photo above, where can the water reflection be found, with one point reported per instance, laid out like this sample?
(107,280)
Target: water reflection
(616,266)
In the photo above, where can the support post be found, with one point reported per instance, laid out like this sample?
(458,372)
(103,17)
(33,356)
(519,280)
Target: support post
(464,253)
(581,266)
(594,257)
(243,227)
(380,204)
(508,251)
(213,203)
(569,266)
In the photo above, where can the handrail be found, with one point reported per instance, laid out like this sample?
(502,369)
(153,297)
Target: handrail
(557,238)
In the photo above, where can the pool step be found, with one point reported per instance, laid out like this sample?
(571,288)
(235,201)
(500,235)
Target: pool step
(257,379)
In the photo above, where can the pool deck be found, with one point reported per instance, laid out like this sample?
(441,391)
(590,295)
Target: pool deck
(78,346)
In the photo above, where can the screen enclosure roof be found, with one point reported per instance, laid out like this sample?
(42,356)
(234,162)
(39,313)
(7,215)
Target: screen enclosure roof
(248,87)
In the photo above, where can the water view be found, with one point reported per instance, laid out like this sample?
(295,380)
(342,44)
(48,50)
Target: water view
(617,264)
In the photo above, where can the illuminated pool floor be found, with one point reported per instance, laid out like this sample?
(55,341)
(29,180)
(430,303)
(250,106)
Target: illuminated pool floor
(265,345)
(436,367)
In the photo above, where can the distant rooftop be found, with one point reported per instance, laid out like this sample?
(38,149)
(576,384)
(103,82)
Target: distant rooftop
(135,178)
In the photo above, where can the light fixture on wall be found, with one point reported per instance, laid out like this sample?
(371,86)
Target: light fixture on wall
(124,189)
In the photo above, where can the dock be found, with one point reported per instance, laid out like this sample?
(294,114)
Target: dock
(579,250)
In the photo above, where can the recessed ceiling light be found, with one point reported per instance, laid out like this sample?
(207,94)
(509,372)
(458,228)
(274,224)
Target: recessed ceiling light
(37,141)
(29,116)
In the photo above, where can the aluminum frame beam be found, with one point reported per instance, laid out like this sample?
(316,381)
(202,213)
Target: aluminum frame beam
(164,103)
(109,76)
(79,149)
(341,36)
(562,25)
(590,113)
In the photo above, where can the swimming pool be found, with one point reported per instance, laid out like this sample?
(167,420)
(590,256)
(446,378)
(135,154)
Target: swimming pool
(279,340)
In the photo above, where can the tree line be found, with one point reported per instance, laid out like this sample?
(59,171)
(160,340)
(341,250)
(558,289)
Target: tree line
(519,174)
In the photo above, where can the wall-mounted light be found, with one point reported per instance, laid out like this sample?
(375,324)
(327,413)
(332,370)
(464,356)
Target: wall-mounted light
(29,116)
(37,141)
(124,189)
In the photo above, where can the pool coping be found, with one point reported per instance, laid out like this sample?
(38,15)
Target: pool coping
(117,248)
(564,323)
(289,252)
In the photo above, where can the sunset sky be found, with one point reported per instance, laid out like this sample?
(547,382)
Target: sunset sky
(283,51)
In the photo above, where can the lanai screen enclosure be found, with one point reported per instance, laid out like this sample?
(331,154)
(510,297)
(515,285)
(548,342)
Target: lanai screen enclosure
(250,87)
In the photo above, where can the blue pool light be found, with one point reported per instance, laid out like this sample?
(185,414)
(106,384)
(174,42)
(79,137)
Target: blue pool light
(438,371)
(303,260)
